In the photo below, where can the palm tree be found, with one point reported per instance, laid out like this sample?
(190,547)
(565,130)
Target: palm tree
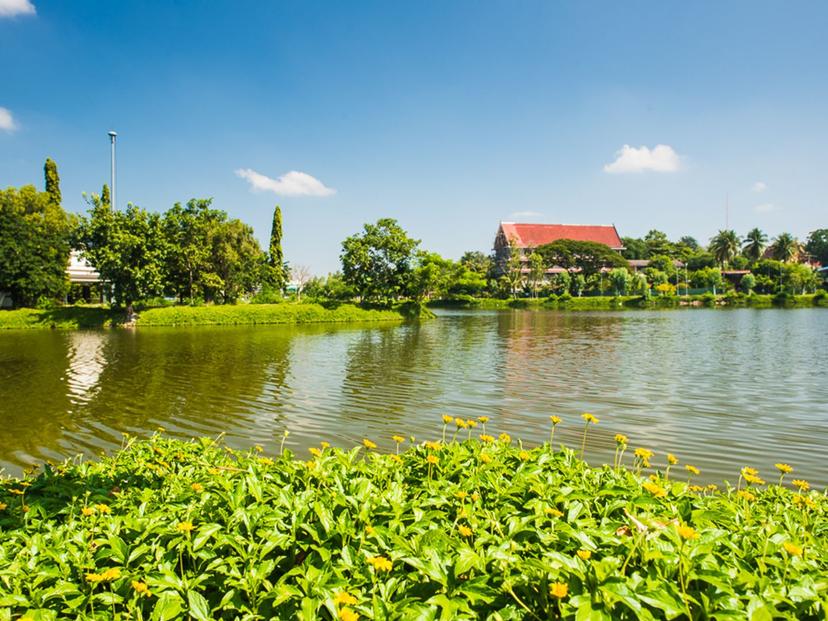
(786,248)
(754,244)
(724,246)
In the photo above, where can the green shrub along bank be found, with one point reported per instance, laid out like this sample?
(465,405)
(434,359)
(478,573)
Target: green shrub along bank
(568,302)
(472,529)
(80,317)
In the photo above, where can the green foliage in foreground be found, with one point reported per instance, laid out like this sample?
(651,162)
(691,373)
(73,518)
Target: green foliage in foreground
(261,314)
(166,529)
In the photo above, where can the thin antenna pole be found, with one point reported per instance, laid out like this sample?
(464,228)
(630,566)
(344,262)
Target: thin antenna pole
(112,136)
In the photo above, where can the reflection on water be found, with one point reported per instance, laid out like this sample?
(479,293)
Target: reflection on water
(721,389)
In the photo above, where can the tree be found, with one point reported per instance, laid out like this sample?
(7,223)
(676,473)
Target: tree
(106,199)
(724,246)
(578,284)
(50,172)
(707,278)
(689,242)
(634,248)
(619,278)
(754,244)
(537,270)
(300,275)
(658,243)
(588,257)
(236,261)
(562,282)
(275,257)
(817,245)
(34,245)
(748,283)
(798,278)
(785,248)
(514,267)
(378,262)
(127,248)
(478,262)
(639,284)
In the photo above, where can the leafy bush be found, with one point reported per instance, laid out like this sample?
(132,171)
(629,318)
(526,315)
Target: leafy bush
(479,529)
(260,314)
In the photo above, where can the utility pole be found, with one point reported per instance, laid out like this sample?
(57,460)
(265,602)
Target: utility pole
(112,136)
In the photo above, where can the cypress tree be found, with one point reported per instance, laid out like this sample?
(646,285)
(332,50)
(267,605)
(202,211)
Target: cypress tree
(276,257)
(106,199)
(52,181)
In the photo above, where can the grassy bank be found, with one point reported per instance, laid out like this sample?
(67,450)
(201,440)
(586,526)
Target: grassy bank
(480,529)
(622,302)
(81,317)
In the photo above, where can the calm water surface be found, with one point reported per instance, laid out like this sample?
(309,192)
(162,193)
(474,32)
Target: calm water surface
(719,388)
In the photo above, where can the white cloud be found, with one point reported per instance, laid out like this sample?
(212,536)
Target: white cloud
(765,208)
(13,8)
(7,123)
(760,186)
(293,183)
(525,214)
(661,158)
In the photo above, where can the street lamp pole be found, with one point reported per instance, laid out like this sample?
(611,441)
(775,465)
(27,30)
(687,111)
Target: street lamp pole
(112,136)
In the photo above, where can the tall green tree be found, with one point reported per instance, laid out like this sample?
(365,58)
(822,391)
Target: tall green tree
(537,271)
(236,259)
(277,276)
(620,279)
(378,261)
(754,244)
(106,198)
(785,248)
(658,243)
(34,245)
(187,232)
(817,245)
(724,246)
(127,248)
(50,172)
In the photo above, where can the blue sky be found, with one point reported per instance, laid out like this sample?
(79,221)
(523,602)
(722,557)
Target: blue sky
(449,116)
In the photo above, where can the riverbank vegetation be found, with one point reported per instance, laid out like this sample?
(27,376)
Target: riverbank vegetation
(86,317)
(472,528)
(193,254)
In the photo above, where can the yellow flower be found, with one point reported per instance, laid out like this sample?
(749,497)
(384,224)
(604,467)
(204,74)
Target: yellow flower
(792,548)
(483,419)
(197,487)
(555,420)
(783,468)
(324,445)
(3,506)
(395,458)
(696,488)
(486,438)
(141,588)
(589,418)
(314,451)
(485,458)
(746,495)
(803,486)
(461,495)
(584,555)
(214,471)
(346,614)
(687,532)
(259,448)
(712,487)
(523,456)
(461,424)
(447,419)
(754,479)
(434,446)
(475,497)
(266,461)
(654,489)
(368,444)
(505,438)
(558,589)
(87,511)
(18,492)
(398,439)
(344,598)
(369,530)
(103,508)
(185,527)
(465,531)
(620,438)
(471,423)
(644,454)
(432,459)
(379,563)
(692,469)
(748,471)
(553,512)
(94,578)
(672,459)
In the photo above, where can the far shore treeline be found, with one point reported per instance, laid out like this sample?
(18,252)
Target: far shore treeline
(195,254)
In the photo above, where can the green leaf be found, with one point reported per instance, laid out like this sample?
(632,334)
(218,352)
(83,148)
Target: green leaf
(168,606)
(199,608)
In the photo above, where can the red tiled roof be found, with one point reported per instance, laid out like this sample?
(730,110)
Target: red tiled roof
(534,235)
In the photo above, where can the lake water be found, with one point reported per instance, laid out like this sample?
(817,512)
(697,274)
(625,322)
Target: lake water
(719,388)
